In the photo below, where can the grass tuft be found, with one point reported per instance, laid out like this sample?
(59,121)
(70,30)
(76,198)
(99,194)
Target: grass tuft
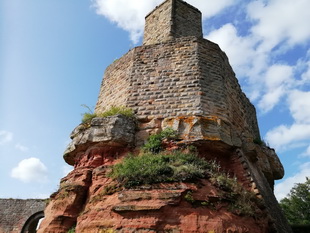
(114,110)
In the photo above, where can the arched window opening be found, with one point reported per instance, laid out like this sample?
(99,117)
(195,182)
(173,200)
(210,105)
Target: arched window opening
(32,223)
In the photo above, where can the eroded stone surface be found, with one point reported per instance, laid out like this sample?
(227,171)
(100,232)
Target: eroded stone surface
(113,131)
(67,203)
(164,208)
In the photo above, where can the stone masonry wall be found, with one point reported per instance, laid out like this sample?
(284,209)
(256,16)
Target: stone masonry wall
(186,20)
(172,19)
(222,95)
(115,85)
(162,80)
(182,77)
(153,33)
(15,212)
(165,80)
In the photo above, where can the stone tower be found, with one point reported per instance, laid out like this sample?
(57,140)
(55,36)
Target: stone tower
(180,80)
(178,73)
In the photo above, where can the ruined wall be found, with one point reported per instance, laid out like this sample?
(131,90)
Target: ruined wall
(178,73)
(165,80)
(172,19)
(184,82)
(182,77)
(15,212)
(222,95)
(153,33)
(186,20)
(162,81)
(114,87)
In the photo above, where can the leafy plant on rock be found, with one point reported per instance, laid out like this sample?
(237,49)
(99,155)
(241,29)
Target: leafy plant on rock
(154,142)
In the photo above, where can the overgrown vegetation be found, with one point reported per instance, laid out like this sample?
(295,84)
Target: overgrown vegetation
(112,111)
(154,143)
(155,165)
(150,168)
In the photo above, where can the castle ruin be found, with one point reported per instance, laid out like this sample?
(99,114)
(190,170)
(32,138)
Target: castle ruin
(179,80)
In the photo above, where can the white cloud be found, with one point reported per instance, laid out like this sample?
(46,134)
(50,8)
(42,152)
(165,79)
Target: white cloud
(278,80)
(282,136)
(277,75)
(305,77)
(5,137)
(299,104)
(130,15)
(280,20)
(30,170)
(306,153)
(211,8)
(21,147)
(270,99)
(234,45)
(282,189)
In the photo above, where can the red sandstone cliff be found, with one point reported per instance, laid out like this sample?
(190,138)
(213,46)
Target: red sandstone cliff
(94,202)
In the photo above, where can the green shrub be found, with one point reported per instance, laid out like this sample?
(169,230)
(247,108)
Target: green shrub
(154,142)
(152,168)
(114,110)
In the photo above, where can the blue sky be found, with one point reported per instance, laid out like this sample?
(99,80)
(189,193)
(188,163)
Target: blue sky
(53,55)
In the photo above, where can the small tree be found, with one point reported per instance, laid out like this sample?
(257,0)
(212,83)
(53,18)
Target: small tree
(296,205)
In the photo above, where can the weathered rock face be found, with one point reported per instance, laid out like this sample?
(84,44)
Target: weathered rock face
(181,81)
(164,208)
(91,200)
(108,132)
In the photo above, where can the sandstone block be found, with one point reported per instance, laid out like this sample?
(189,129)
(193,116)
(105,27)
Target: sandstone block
(116,131)
(196,128)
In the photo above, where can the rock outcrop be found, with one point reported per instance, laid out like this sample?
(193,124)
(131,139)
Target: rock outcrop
(180,81)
